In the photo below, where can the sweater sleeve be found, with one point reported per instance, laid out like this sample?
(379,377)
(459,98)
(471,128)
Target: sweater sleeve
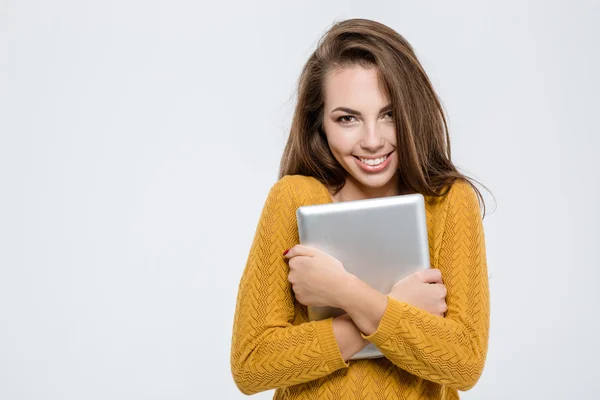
(448,350)
(267,351)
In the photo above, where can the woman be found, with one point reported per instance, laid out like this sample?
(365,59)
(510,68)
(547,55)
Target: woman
(367,124)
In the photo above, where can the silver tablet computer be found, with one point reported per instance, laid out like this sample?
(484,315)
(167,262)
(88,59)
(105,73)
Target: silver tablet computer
(379,240)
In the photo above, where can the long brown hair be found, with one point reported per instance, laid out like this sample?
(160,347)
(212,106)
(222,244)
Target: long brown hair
(422,133)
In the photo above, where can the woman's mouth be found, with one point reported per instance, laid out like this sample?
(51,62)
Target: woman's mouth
(373,164)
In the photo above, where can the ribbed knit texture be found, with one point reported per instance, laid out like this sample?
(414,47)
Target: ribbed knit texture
(426,357)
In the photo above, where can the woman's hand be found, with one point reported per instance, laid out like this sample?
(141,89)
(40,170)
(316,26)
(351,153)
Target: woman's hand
(317,278)
(423,289)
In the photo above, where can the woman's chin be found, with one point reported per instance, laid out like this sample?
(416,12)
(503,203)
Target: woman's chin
(373,181)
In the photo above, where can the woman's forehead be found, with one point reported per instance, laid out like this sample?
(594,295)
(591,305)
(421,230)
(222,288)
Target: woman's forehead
(355,87)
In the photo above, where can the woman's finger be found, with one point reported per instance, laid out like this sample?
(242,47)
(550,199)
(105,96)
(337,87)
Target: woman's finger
(431,275)
(298,250)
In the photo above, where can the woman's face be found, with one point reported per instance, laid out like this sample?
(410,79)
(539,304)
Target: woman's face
(360,129)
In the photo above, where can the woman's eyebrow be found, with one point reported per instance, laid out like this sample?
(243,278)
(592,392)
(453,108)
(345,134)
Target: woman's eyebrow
(351,111)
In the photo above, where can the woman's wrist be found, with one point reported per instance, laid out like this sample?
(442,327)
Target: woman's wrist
(364,304)
(343,290)
(348,336)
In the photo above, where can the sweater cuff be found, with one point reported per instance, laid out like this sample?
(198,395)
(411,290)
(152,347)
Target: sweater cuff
(329,345)
(387,325)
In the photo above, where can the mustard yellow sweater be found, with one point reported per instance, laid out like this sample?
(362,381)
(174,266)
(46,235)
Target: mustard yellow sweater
(426,356)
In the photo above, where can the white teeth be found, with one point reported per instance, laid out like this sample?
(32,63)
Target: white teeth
(373,162)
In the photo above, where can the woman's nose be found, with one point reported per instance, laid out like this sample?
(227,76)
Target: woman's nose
(372,139)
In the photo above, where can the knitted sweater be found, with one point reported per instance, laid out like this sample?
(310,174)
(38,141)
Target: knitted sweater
(426,356)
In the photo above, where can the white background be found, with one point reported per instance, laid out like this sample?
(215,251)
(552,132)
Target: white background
(138,141)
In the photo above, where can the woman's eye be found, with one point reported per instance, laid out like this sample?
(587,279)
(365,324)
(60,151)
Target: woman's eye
(345,121)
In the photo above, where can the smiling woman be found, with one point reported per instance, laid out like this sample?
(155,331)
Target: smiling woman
(367,124)
(363,143)
(364,79)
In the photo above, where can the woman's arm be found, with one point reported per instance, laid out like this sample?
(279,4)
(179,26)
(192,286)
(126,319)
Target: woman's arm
(348,336)
(450,350)
(267,351)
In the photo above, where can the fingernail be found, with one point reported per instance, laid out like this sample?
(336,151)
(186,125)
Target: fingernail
(285,252)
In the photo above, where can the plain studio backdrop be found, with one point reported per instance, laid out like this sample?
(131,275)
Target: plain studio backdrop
(139,140)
